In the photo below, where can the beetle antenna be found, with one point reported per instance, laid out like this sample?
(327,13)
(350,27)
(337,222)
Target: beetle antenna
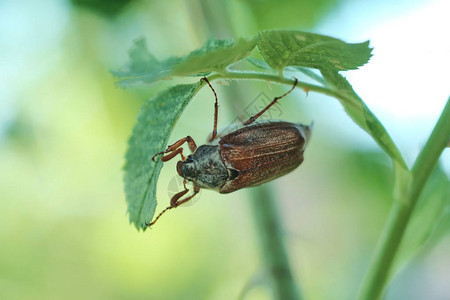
(253,118)
(175,202)
(160,214)
(216,110)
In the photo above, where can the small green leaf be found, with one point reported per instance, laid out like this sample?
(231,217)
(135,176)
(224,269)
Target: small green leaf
(141,59)
(143,66)
(214,55)
(381,136)
(361,114)
(282,48)
(154,124)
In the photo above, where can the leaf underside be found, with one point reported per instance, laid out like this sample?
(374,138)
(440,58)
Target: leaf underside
(155,122)
(282,48)
(214,55)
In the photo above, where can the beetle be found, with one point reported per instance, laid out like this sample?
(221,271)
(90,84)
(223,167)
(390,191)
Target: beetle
(249,156)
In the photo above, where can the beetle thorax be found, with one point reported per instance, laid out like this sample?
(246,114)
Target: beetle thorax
(205,168)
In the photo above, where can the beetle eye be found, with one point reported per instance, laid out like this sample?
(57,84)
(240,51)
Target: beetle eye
(189,160)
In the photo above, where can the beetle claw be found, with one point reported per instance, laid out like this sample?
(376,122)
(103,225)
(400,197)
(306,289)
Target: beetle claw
(153,157)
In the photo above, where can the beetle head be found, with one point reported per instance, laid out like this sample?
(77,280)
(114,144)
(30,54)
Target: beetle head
(187,168)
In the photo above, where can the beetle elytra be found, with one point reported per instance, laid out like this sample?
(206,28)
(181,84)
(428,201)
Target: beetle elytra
(249,156)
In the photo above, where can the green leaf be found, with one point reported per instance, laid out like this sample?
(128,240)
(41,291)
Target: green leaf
(141,59)
(260,64)
(381,136)
(282,48)
(155,122)
(214,55)
(143,66)
(361,114)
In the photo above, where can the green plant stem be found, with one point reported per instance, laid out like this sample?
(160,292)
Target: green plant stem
(269,229)
(402,209)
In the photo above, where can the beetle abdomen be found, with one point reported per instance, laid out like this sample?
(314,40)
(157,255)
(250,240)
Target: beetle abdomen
(262,152)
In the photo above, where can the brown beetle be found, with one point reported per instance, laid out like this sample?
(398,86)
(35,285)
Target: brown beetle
(246,157)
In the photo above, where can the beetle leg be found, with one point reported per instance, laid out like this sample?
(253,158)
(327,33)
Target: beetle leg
(253,118)
(174,202)
(174,148)
(172,154)
(216,110)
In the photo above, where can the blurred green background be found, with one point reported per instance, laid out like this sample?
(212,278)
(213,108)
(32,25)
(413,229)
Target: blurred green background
(64,126)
